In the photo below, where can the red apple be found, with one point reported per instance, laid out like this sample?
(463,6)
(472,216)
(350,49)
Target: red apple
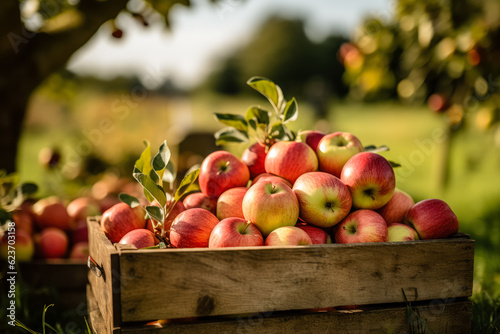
(288,236)
(220,171)
(82,207)
(395,210)
(317,235)
(269,205)
(52,243)
(192,228)
(271,177)
(361,226)
(323,199)
(51,212)
(80,251)
(80,232)
(370,179)
(401,232)
(432,219)
(334,149)
(200,200)
(23,243)
(229,203)
(140,238)
(290,159)
(24,221)
(311,138)
(235,232)
(121,219)
(254,158)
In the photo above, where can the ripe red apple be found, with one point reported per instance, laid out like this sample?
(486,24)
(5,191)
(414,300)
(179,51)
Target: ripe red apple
(200,200)
(334,149)
(79,251)
(192,228)
(317,235)
(361,226)
(82,207)
(230,202)
(24,221)
(140,238)
(323,199)
(370,179)
(269,205)
(395,210)
(52,243)
(432,219)
(271,177)
(121,219)
(220,171)
(24,245)
(80,232)
(254,158)
(290,159)
(311,138)
(401,232)
(235,232)
(51,212)
(288,236)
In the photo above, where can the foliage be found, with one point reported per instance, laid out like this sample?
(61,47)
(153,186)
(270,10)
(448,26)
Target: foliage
(485,314)
(12,195)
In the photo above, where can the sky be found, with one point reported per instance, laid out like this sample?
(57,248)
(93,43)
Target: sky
(204,33)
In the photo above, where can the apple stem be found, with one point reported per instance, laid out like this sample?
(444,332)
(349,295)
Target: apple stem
(246,226)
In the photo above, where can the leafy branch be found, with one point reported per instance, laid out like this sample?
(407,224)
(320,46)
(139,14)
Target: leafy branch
(12,194)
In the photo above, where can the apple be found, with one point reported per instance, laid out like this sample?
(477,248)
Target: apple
(235,232)
(361,226)
(80,232)
(395,210)
(200,200)
(79,251)
(269,205)
(323,199)
(288,236)
(271,177)
(370,179)
(254,158)
(334,149)
(401,232)
(311,138)
(290,159)
(51,212)
(24,245)
(140,238)
(317,235)
(121,219)
(220,171)
(432,219)
(229,203)
(52,243)
(192,228)
(24,221)
(82,207)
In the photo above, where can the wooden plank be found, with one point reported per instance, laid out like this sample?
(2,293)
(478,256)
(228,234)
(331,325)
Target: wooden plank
(179,283)
(96,321)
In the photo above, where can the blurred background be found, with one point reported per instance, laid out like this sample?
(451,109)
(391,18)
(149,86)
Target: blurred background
(99,77)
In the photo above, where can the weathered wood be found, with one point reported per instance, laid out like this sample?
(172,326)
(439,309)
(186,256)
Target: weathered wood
(178,283)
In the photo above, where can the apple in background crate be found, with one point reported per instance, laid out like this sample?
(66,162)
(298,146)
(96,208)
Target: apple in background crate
(51,212)
(52,243)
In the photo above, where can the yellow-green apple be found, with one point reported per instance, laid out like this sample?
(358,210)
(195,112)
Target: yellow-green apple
(52,243)
(401,232)
(235,232)
(24,221)
(432,219)
(80,232)
(323,199)
(229,203)
(290,159)
(288,236)
(361,226)
(140,238)
(269,205)
(51,212)
(23,244)
(79,251)
(311,138)
(318,236)
(254,158)
(220,171)
(192,228)
(370,179)
(82,207)
(395,210)
(334,149)
(121,219)
(271,177)
(200,200)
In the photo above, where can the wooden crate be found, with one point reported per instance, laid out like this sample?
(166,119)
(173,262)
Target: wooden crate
(256,284)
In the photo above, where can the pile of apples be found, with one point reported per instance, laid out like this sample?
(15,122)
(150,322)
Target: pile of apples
(317,189)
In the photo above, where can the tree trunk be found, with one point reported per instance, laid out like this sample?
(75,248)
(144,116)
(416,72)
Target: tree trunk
(11,122)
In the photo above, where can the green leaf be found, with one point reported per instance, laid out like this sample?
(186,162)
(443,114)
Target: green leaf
(394,164)
(169,173)
(155,212)
(154,176)
(277,130)
(375,149)
(28,188)
(267,88)
(257,116)
(162,158)
(129,199)
(187,184)
(236,121)
(230,135)
(154,190)
(291,111)
(143,164)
